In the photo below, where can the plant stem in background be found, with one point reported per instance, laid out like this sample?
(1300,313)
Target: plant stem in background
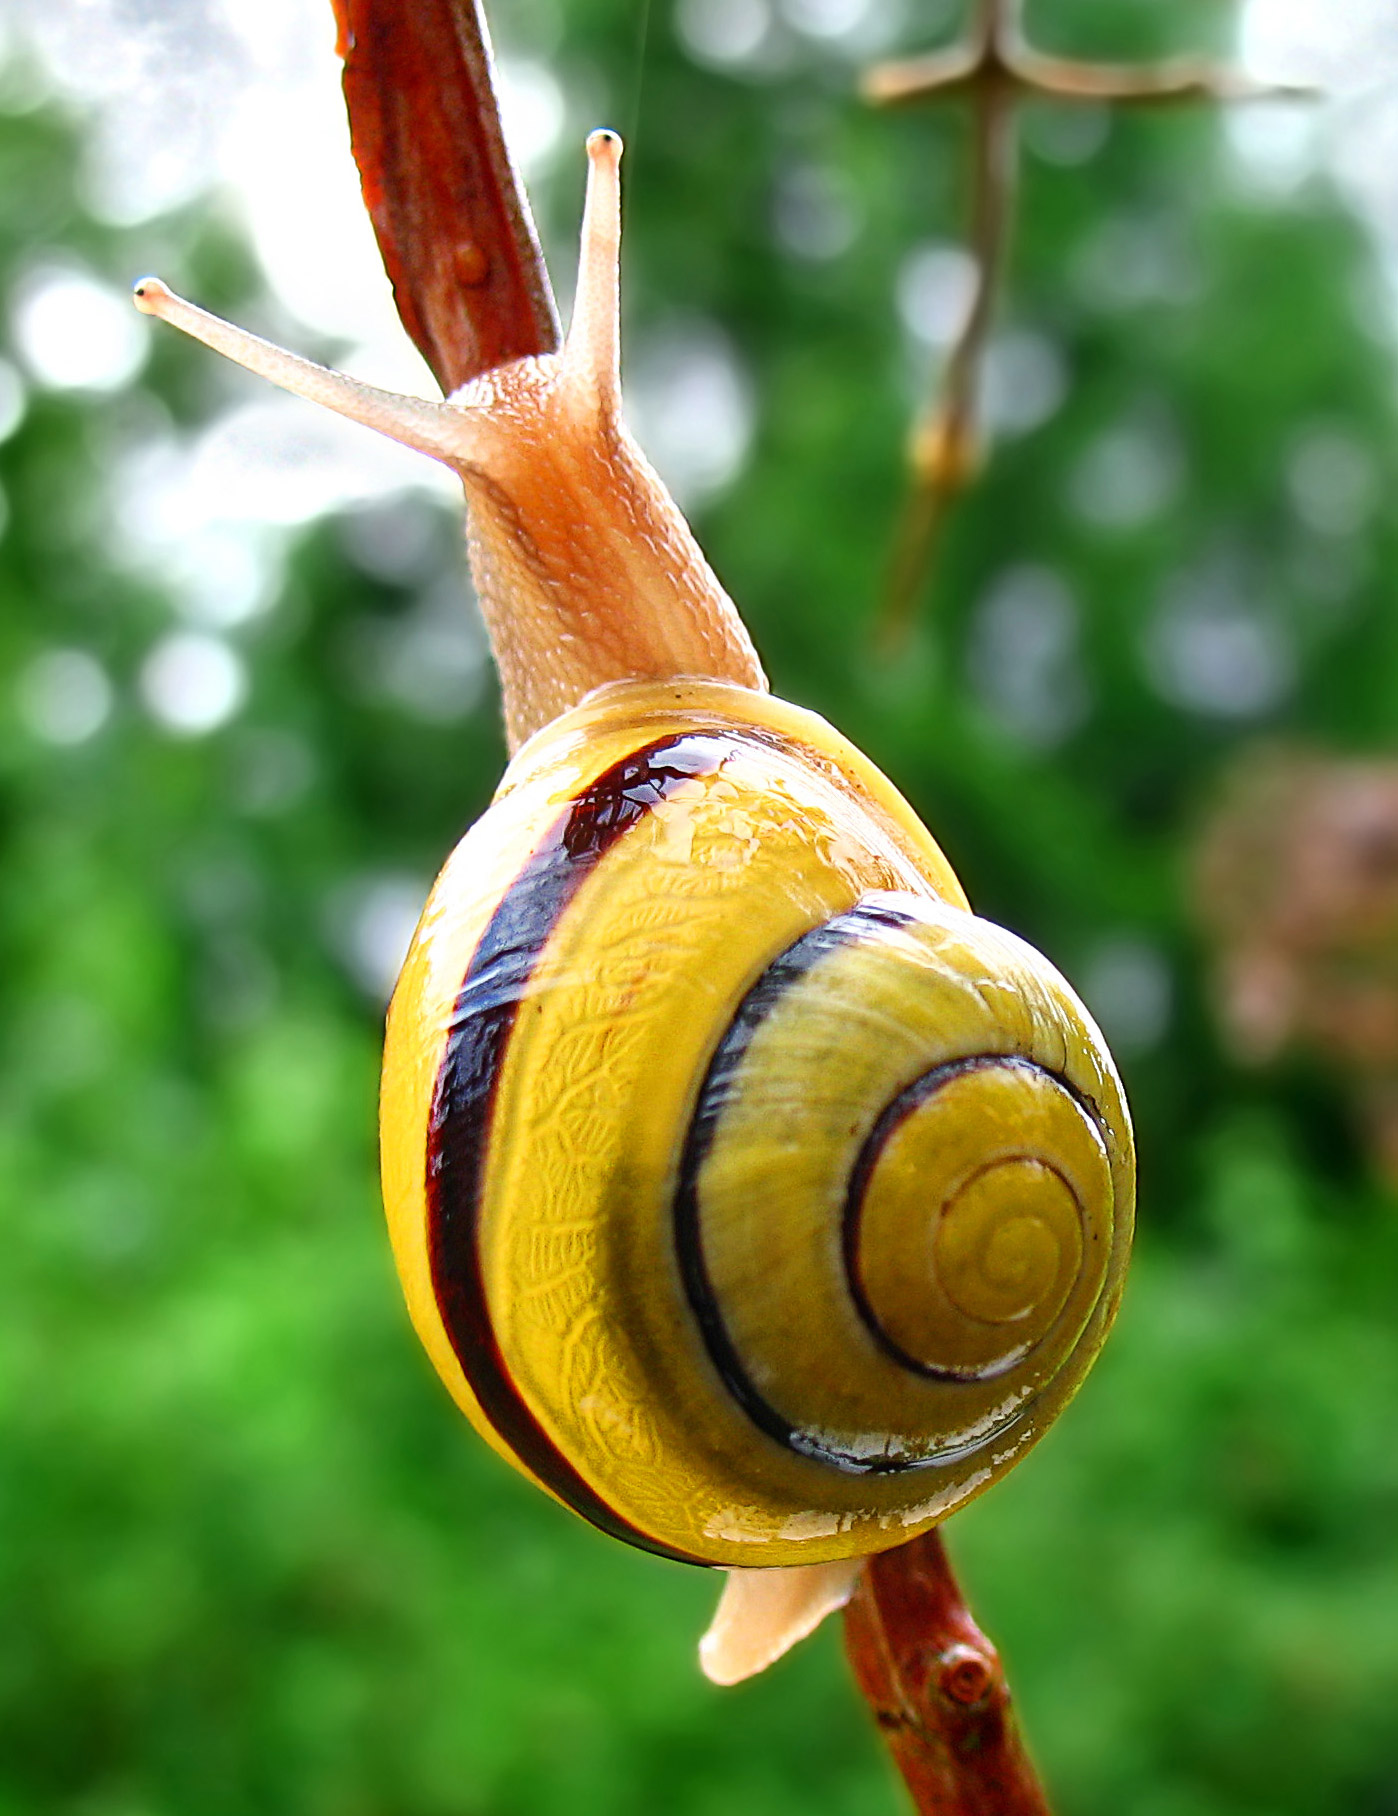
(995,70)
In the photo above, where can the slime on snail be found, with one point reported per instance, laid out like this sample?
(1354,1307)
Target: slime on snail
(749,1193)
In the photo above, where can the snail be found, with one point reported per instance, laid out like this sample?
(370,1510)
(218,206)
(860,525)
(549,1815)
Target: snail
(749,1193)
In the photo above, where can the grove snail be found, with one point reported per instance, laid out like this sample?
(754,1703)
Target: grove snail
(749,1193)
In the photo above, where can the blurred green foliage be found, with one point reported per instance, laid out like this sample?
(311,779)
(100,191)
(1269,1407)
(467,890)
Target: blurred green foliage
(250,1558)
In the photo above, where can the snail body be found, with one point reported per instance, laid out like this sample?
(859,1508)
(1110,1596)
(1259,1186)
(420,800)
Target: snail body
(749,1193)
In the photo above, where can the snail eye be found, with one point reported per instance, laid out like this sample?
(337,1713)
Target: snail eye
(750,1193)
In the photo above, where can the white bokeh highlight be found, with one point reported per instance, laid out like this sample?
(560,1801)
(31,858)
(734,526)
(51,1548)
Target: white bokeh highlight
(936,285)
(689,403)
(1129,474)
(1215,647)
(1349,49)
(1126,983)
(75,333)
(240,99)
(1023,656)
(371,920)
(193,683)
(64,696)
(722,34)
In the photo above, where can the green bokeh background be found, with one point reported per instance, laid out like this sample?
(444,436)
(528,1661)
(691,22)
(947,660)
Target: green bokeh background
(250,1558)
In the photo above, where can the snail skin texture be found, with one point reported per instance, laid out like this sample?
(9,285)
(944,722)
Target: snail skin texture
(749,1193)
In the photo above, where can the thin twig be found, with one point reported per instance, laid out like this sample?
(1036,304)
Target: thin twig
(945,450)
(995,69)
(1180,79)
(937,1689)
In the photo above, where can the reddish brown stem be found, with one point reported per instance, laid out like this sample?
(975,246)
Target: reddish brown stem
(937,1688)
(447,205)
(458,242)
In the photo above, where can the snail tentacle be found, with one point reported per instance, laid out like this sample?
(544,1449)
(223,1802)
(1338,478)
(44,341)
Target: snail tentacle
(592,352)
(585,568)
(439,429)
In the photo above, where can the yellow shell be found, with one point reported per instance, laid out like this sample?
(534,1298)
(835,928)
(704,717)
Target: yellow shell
(748,1192)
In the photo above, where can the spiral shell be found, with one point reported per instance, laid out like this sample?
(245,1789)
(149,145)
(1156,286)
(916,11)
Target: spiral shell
(748,1192)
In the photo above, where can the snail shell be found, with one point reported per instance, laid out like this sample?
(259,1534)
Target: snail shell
(749,1193)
